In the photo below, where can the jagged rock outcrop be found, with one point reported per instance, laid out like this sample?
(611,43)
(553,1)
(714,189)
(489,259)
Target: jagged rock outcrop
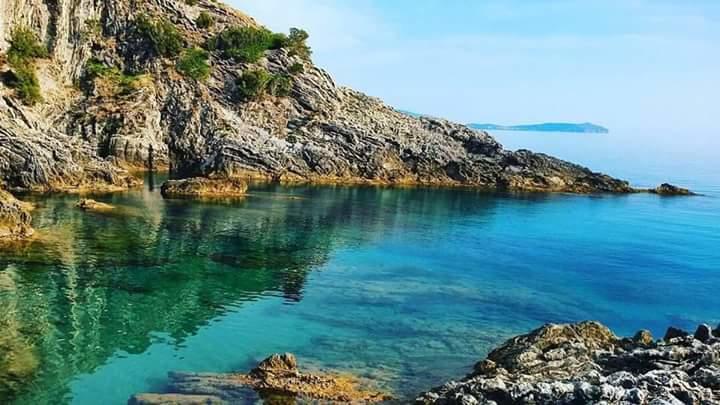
(86,131)
(14,218)
(586,363)
(277,375)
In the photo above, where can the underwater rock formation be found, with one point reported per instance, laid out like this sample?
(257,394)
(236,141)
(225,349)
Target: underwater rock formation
(277,375)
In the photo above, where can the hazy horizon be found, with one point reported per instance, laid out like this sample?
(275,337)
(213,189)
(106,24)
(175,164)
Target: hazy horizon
(620,64)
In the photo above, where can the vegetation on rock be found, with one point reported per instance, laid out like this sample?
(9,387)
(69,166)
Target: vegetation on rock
(244,44)
(296,68)
(204,20)
(297,43)
(248,44)
(25,47)
(164,37)
(253,84)
(121,83)
(194,64)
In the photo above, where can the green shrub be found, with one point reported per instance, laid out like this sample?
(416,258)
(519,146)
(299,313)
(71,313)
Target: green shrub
(248,44)
(191,2)
(204,20)
(279,85)
(124,83)
(253,83)
(26,84)
(25,47)
(194,63)
(296,68)
(165,38)
(297,43)
(244,44)
(93,29)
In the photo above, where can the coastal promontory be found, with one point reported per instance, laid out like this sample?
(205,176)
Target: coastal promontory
(92,91)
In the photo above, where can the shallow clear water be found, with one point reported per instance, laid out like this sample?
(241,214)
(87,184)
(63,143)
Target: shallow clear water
(405,286)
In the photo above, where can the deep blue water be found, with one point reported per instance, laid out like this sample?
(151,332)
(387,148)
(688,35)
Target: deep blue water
(408,287)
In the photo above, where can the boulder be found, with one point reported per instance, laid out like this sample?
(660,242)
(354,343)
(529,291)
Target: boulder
(203,187)
(15,218)
(703,333)
(643,337)
(673,333)
(86,204)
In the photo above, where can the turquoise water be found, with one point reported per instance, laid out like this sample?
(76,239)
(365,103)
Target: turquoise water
(408,287)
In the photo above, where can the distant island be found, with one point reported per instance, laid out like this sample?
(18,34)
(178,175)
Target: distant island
(585,127)
(545,127)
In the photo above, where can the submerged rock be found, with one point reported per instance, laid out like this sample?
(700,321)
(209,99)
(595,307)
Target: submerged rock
(586,363)
(87,204)
(669,189)
(15,218)
(202,187)
(277,376)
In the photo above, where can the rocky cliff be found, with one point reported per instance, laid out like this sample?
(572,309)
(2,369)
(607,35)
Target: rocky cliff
(108,99)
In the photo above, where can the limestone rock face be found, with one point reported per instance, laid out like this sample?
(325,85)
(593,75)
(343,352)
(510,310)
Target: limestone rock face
(14,218)
(86,131)
(587,363)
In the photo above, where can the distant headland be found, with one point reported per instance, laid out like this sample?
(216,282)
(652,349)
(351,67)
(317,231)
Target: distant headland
(545,127)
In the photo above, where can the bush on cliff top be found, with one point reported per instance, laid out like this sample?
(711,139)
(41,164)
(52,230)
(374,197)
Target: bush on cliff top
(244,44)
(194,63)
(248,44)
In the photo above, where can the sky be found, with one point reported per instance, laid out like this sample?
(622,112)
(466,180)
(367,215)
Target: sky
(632,64)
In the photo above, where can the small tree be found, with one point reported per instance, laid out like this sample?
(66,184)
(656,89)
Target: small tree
(297,43)
(194,63)
(204,20)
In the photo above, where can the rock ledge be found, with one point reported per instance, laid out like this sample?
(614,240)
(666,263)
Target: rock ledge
(586,363)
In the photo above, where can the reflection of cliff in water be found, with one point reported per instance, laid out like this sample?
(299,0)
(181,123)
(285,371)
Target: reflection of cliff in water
(99,284)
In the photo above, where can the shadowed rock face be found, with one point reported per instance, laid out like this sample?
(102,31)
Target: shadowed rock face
(81,136)
(587,363)
(14,218)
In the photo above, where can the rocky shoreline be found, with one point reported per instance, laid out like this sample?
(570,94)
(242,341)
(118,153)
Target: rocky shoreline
(586,363)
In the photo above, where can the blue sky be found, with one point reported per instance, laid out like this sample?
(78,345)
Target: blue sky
(632,64)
